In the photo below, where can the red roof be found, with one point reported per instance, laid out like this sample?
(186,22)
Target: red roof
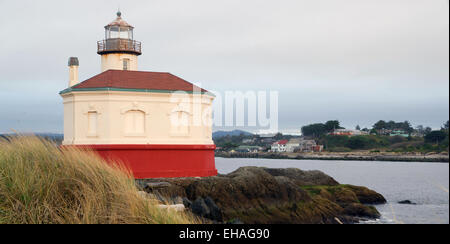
(282,142)
(124,79)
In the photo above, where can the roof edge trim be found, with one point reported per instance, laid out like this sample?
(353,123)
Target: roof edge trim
(68,90)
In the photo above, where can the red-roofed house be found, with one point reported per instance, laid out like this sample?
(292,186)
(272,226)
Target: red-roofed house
(279,146)
(157,124)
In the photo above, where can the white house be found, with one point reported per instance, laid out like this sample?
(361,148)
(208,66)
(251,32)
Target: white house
(279,146)
(292,145)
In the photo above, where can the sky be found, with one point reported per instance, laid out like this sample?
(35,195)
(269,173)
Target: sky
(351,60)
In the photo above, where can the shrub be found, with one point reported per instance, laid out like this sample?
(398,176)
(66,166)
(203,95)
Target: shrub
(436,136)
(396,139)
(358,142)
(39,183)
(340,149)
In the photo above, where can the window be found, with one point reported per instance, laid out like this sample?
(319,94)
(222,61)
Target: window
(126,64)
(92,123)
(180,123)
(134,122)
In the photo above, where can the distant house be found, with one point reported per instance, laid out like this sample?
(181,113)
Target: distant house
(248,149)
(417,134)
(384,132)
(399,133)
(293,145)
(345,132)
(317,148)
(279,146)
(307,146)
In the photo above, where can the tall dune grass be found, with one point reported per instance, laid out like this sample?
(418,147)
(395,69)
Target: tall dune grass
(39,183)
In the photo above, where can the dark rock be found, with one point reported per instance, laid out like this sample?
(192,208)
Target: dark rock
(407,202)
(214,210)
(360,210)
(256,195)
(187,203)
(157,185)
(367,196)
(207,209)
(200,208)
(305,178)
(344,195)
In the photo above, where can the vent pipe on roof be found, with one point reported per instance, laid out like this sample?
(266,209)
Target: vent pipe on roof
(73,71)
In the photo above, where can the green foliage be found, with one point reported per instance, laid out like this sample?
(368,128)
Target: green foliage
(445,126)
(436,136)
(380,125)
(396,139)
(229,145)
(333,141)
(314,130)
(392,125)
(332,125)
(358,142)
(317,130)
(278,136)
(339,143)
(41,183)
(230,142)
(340,149)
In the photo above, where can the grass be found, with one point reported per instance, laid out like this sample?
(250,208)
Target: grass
(43,184)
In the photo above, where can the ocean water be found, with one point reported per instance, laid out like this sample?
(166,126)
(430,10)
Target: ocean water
(425,184)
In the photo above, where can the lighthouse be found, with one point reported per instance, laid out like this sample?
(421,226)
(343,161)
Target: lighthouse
(155,123)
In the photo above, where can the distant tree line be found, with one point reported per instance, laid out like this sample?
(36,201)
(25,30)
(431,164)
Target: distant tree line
(392,125)
(319,129)
(437,140)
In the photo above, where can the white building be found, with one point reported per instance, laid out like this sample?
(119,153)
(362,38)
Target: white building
(293,145)
(156,123)
(346,132)
(307,145)
(279,146)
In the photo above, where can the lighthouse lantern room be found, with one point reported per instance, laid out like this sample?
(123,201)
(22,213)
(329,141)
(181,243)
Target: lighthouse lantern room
(155,123)
(119,50)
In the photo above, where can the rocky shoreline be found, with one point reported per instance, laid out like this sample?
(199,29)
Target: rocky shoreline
(436,158)
(254,195)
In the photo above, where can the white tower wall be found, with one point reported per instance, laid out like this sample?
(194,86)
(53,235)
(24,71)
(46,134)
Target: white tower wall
(116,61)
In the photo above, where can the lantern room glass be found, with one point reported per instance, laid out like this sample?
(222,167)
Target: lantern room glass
(115,32)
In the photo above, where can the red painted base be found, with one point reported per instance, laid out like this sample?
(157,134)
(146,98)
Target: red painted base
(161,161)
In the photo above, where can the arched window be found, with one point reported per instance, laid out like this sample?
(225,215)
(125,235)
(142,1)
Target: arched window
(180,121)
(134,122)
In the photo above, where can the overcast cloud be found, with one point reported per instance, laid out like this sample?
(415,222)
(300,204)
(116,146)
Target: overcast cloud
(353,60)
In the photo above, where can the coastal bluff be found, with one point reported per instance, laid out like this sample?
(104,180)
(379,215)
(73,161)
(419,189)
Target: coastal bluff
(256,195)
